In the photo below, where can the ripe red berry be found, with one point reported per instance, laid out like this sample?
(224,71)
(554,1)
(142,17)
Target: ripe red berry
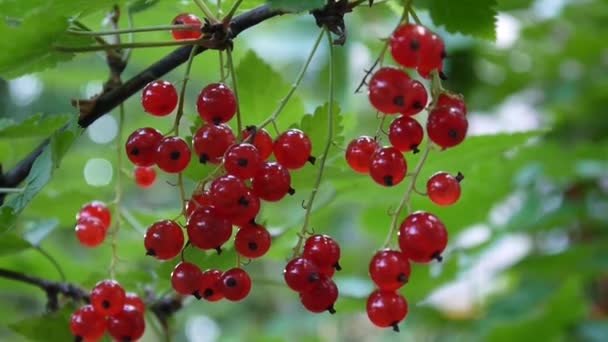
(228,194)
(186,278)
(141,146)
(321,297)
(389,270)
(452,100)
(261,140)
(210,287)
(323,251)
(432,53)
(144,176)
(159,98)
(248,209)
(206,230)
(252,241)
(272,182)
(416,98)
(216,104)
(210,143)
(387,90)
(108,297)
(98,210)
(292,149)
(86,324)
(407,42)
(198,201)
(447,126)
(422,237)
(359,152)
(127,325)
(164,240)
(301,274)
(235,284)
(405,134)
(134,300)
(386,309)
(90,231)
(173,155)
(190,20)
(387,166)
(444,189)
(242,160)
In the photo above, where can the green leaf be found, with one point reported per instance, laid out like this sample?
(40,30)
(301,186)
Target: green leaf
(49,327)
(316,127)
(470,17)
(296,5)
(11,244)
(36,125)
(37,231)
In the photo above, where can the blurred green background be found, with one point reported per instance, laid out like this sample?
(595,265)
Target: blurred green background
(528,252)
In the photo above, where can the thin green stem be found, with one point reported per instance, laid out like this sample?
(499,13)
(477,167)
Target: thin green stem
(228,18)
(206,11)
(239,121)
(182,94)
(53,261)
(222,66)
(11,190)
(135,30)
(219,8)
(117,190)
(139,45)
(410,9)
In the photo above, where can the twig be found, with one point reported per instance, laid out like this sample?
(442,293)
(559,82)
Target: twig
(135,30)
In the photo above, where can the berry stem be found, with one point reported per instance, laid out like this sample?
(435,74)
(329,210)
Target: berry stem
(239,121)
(208,14)
(413,13)
(228,18)
(53,261)
(405,201)
(109,47)
(117,190)
(134,30)
(323,158)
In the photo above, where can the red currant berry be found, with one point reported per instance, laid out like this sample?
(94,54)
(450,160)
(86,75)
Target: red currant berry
(406,43)
(447,126)
(108,297)
(432,53)
(198,201)
(186,278)
(272,182)
(141,146)
(216,104)
(144,176)
(323,251)
(210,287)
(134,300)
(164,240)
(405,134)
(228,194)
(422,237)
(387,166)
(321,297)
(416,98)
(444,189)
(386,309)
(301,274)
(189,20)
(389,269)
(207,231)
(173,155)
(159,98)
(211,142)
(90,231)
(248,209)
(387,89)
(261,140)
(452,100)
(98,210)
(235,284)
(242,160)
(86,324)
(292,149)
(252,241)
(127,325)
(359,152)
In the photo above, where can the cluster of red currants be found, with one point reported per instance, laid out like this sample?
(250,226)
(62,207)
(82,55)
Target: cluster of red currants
(92,223)
(112,310)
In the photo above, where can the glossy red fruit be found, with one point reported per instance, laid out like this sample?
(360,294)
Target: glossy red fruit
(447,126)
(272,182)
(190,20)
(216,104)
(386,309)
(134,300)
(389,270)
(444,189)
(359,152)
(252,241)
(261,140)
(406,43)
(292,149)
(301,274)
(432,53)
(321,297)
(199,200)
(90,231)
(248,209)
(186,279)
(173,155)
(127,325)
(228,195)
(164,240)
(210,143)
(141,146)
(108,297)
(452,100)
(416,98)
(98,210)
(206,230)
(242,160)
(159,98)
(144,176)
(323,250)
(422,237)
(387,90)
(387,166)
(210,287)
(86,324)
(405,134)
(235,284)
